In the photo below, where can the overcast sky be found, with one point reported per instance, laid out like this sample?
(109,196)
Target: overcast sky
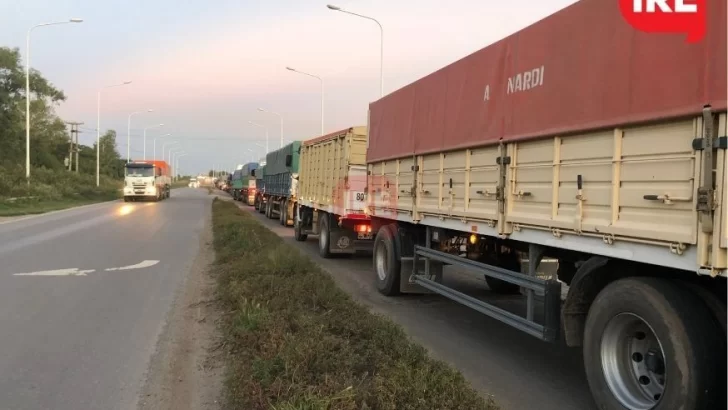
(206,66)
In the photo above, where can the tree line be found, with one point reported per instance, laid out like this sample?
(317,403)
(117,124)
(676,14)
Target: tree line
(49,135)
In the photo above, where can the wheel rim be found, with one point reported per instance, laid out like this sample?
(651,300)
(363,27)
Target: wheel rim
(381,261)
(633,362)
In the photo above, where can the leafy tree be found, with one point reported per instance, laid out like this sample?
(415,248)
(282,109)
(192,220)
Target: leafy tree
(49,139)
(47,130)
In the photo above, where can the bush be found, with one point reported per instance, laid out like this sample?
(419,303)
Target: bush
(46,184)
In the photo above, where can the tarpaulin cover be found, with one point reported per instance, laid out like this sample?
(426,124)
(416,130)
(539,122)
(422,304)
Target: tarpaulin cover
(581,68)
(275,161)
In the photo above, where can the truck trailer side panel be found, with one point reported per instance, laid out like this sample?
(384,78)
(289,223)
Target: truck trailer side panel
(332,193)
(635,185)
(546,80)
(326,167)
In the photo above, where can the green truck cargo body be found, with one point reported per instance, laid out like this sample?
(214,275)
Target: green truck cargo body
(244,183)
(280,181)
(281,166)
(259,188)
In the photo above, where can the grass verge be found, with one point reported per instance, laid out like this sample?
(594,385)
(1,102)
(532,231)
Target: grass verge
(296,341)
(180,183)
(32,207)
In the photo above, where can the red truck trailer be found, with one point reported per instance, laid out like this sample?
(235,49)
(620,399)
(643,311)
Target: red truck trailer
(582,140)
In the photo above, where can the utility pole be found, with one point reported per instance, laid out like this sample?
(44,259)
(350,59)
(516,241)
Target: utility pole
(74,140)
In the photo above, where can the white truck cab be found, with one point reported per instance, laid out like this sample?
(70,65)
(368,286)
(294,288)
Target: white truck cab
(146,180)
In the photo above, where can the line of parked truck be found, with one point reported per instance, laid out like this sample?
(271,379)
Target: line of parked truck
(577,148)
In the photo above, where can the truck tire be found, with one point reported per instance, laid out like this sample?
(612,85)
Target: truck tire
(297,235)
(324,236)
(648,344)
(387,265)
(282,214)
(126,199)
(262,206)
(270,210)
(508,261)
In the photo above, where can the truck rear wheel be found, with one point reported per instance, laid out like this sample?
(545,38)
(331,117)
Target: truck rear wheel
(386,262)
(648,344)
(282,212)
(297,231)
(324,236)
(262,206)
(508,261)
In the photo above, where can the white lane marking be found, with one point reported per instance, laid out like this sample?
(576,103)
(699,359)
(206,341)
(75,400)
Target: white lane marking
(58,272)
(140,265)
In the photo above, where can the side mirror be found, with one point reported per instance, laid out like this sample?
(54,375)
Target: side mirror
(289,160)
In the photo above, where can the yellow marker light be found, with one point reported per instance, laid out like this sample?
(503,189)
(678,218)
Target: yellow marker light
(473,239)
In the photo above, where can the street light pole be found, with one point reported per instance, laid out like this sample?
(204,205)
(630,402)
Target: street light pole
(322,93)
(174,160)
(280,118)
(171,160)
(98,126)
(145,137)
(176,165)
(266,133)
(165,145)
(381,47)
(169,153)
(172,152)
(27,89)
(128,134)
(155,145)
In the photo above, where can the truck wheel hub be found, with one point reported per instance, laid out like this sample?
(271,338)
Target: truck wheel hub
(633,362)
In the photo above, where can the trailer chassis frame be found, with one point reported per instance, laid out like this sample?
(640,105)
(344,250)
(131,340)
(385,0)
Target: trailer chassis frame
(551,288)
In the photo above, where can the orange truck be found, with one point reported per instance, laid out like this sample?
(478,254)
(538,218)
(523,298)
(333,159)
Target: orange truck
(148,179)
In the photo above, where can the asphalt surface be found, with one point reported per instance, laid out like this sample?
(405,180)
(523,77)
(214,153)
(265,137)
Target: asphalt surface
(84,341)
(518,370)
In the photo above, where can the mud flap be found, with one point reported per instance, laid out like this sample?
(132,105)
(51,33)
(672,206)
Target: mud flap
(342,242)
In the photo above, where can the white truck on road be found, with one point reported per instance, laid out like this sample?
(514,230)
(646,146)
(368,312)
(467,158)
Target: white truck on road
(146,180)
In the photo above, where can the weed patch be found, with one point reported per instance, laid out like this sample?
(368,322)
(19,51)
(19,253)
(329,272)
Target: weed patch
(296,341)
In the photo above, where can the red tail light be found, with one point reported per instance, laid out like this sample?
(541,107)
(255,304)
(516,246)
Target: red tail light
(363,228)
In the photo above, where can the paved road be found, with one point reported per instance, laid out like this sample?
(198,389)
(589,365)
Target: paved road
(520,371)
(84,341)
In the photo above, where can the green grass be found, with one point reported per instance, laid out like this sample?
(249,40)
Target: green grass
(296,341)
(51,190)
(32,206)
(182,183)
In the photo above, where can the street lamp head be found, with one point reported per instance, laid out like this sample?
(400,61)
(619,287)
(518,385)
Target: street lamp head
(76,20)
(127,82)
(261,110)
(332,7)
(161,125)
(290,69)
(150,110)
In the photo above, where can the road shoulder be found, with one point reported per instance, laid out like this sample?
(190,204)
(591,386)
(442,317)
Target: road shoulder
(186,370)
